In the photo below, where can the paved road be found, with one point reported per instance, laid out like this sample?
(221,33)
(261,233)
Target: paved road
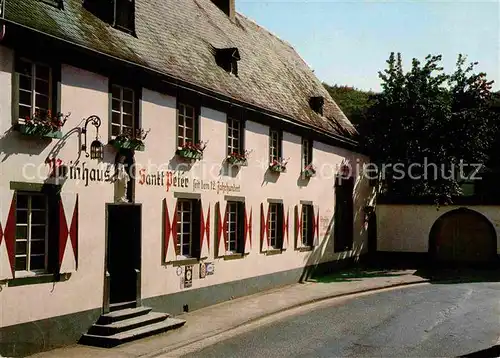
(425,321)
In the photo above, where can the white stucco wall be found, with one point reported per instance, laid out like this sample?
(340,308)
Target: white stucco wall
(406,228)
(84,94)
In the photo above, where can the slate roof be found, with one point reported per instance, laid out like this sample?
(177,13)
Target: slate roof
(175,37)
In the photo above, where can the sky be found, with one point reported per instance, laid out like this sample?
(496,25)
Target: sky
(348,42)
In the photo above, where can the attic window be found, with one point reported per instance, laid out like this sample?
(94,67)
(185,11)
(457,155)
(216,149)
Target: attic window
(316,104)
(118,13)
(227,58)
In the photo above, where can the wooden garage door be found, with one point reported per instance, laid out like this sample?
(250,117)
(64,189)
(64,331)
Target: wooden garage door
(464,236)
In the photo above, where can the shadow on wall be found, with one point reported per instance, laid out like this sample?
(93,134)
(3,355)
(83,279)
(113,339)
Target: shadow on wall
(13,142)
(326,246)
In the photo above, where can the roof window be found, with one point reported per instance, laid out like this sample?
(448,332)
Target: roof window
(316,103)
(227,58)
(118,13)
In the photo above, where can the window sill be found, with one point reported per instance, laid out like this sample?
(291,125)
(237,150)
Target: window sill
(33,279)
(306,248)
(185,261)
(274,252)
(234,256)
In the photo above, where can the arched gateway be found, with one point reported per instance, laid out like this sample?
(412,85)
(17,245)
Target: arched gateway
(463,236)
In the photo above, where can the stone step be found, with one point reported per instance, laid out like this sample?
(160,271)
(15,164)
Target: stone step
(124,314)
(127,324)
(122,305)
(127,336)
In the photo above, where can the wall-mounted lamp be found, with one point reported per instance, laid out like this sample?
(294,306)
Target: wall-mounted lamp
(96,147)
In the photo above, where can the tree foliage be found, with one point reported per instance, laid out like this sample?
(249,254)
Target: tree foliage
(429,121)
(353,102)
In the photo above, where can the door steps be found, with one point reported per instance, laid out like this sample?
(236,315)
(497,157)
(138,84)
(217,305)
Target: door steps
(128,324)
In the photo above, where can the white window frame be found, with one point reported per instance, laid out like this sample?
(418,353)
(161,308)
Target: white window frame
(181,235)
(273,225)
(274,145)
(306,152)
(33,91)
(29,225)
(182,112)
(234,126)
(307,219)
(233,217)
(121,111)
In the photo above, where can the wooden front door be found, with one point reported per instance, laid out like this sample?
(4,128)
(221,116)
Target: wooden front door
(463,236)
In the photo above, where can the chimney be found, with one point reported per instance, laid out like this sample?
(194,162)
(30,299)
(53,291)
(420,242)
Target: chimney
(227,6)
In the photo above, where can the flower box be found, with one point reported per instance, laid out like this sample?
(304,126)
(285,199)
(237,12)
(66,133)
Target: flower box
(130,140)
(309,171)
(189,154)
(43,125)
(238,159)
(278,166)
(128,144)
(40,131)
(191,151)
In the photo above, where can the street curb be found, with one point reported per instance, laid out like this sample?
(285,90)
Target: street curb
(265,315)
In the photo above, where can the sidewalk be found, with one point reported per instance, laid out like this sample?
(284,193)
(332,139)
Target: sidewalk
(228,315)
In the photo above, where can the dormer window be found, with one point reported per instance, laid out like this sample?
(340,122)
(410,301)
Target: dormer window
(316,104)
(118,13)
(227,58)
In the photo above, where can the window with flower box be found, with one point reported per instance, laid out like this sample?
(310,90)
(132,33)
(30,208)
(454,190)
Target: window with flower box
(307,152)
(308,169)
(275,226)
(34,93)
(186,125)
(236,153)
(122,110)
(275,145)
(125,129)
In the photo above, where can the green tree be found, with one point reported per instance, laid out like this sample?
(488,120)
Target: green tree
(430,122)
(353,102)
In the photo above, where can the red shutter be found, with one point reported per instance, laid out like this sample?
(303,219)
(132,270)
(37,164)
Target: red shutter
(267,227)
(245,228)
(202,229)
(63,231)
(250,228)
(174,230)
(296,226)
(73,231)
(224,228)
(219,250)
(207,228)
(316,227)
(166,230)
(9,235)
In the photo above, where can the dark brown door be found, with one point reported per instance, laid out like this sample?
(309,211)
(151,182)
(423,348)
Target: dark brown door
(464,236)
(123,252)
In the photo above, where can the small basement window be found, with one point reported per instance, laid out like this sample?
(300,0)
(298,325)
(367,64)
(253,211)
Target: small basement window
(316,104)
(227,58)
